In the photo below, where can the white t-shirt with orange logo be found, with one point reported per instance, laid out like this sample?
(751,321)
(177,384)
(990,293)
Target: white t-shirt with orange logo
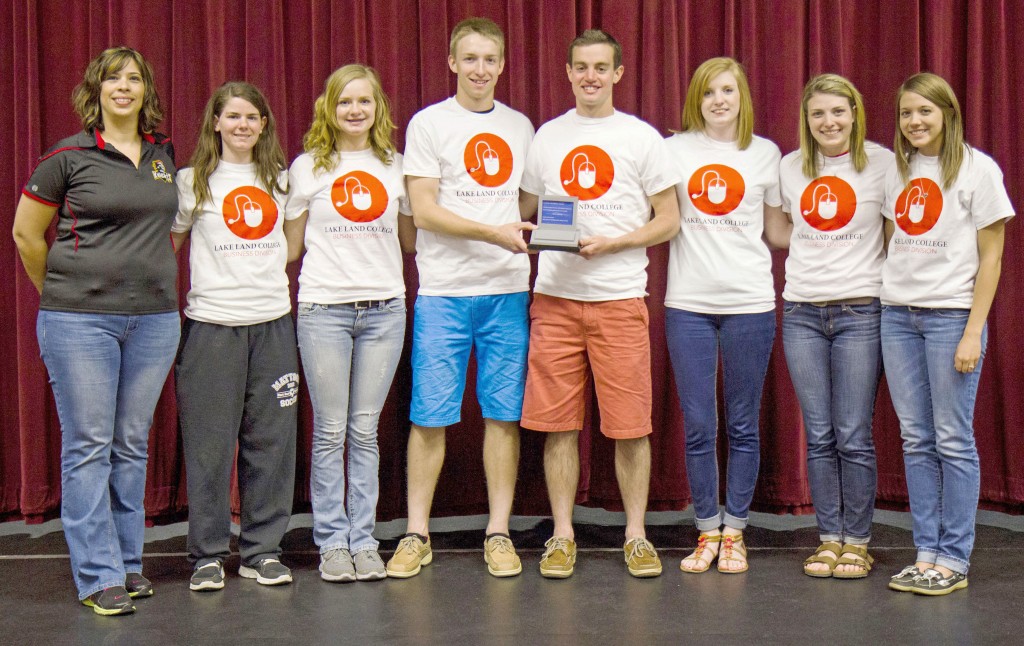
(718,263)
(478,159)
(932,258)
(352,250)
(238,251)
(612,164)
(836,251)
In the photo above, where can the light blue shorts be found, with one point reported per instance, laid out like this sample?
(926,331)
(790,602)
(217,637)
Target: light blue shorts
(445,329)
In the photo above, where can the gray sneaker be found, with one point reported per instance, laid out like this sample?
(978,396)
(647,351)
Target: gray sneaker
(207,577)
(336,566)
(369,566)
(267,572)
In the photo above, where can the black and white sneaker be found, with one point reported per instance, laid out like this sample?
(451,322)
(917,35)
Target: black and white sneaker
(267,572)
(110,601)
(905,580)
(209,576)
(933,584)
(138,585)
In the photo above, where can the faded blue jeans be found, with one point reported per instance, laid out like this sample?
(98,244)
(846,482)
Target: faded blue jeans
(349,355)
(745,342)
(935,404)
(107,372)
(834,355)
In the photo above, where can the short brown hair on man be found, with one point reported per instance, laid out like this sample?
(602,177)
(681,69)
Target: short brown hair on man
(597,37)
(484,27)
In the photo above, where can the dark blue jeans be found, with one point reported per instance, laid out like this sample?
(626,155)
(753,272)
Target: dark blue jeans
(745,342)
(834,355)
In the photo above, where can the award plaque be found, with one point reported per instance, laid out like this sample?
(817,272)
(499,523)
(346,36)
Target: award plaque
(557,228)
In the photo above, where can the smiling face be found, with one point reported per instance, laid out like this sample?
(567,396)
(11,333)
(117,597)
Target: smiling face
(921,123)
(830,119)
(720,106)
(121,94)
(593,76)
(478,62)
(239,125)
(355,112)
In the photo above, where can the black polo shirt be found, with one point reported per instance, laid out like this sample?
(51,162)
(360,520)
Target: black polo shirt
(113,252)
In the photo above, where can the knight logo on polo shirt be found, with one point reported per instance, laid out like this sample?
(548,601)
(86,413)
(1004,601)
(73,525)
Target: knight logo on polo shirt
(359,197)
(488,160)
(918,207)
(249,212)
(716,189)
(828,203)
(587,172)
(160,172)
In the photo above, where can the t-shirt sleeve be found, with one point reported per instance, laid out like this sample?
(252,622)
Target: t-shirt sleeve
(989,200)
(300,182)
(186,202)
(532,180)
(772,191)
(657,169)
(421,158)
(892,192)
(49,180)
(785,177)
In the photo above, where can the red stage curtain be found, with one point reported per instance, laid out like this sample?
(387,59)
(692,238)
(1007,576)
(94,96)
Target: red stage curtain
(288,47)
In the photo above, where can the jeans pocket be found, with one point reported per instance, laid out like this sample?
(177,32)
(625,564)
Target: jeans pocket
(309,309)
(871,310)
(396,305)
(788,307)
(951,313)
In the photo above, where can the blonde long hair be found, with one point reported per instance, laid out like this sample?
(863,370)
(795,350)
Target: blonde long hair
(322,139)
(834,85)
(693,118)
(933,88)
(267,155)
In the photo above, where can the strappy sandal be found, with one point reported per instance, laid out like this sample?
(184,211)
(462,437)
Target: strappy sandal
(733,549)
(703,564)
(854,555)
(819,557)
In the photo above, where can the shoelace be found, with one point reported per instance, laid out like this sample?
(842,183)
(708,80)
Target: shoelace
(639,548)
(931,577)
(907,571)
(557,544)
(502,544)
(408,544)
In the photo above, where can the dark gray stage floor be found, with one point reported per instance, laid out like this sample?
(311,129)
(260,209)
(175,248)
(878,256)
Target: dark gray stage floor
(455,601)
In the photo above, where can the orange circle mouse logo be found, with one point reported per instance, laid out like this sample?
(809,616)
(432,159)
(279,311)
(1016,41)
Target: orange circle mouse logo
(587,172)
(488,160)
(359,197)
(918,206)
(828,204)
(249,212)
(716,189)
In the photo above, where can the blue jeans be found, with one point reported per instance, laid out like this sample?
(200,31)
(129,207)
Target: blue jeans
(834,355)
(935,404)
(745,341)
(107,372)
(349,355)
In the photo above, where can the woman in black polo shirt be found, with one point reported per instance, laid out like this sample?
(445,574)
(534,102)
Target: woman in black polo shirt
(108,322)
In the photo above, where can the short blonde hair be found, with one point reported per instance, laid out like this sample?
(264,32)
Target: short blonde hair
(693,118)
(482,26)
(86,96)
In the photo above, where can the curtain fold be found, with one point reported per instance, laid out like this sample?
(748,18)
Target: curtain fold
(289,47)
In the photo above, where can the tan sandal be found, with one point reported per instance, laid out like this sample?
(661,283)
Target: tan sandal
(820,557)
(703,545)
(733,549)
(854,555)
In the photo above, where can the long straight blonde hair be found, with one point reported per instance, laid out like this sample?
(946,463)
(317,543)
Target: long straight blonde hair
(834,85)
(693,118)
(933,88)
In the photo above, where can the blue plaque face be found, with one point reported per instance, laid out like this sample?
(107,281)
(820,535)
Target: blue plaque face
(556,225)
(552,212)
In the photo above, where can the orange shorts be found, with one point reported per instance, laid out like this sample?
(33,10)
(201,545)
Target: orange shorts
(613,337)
